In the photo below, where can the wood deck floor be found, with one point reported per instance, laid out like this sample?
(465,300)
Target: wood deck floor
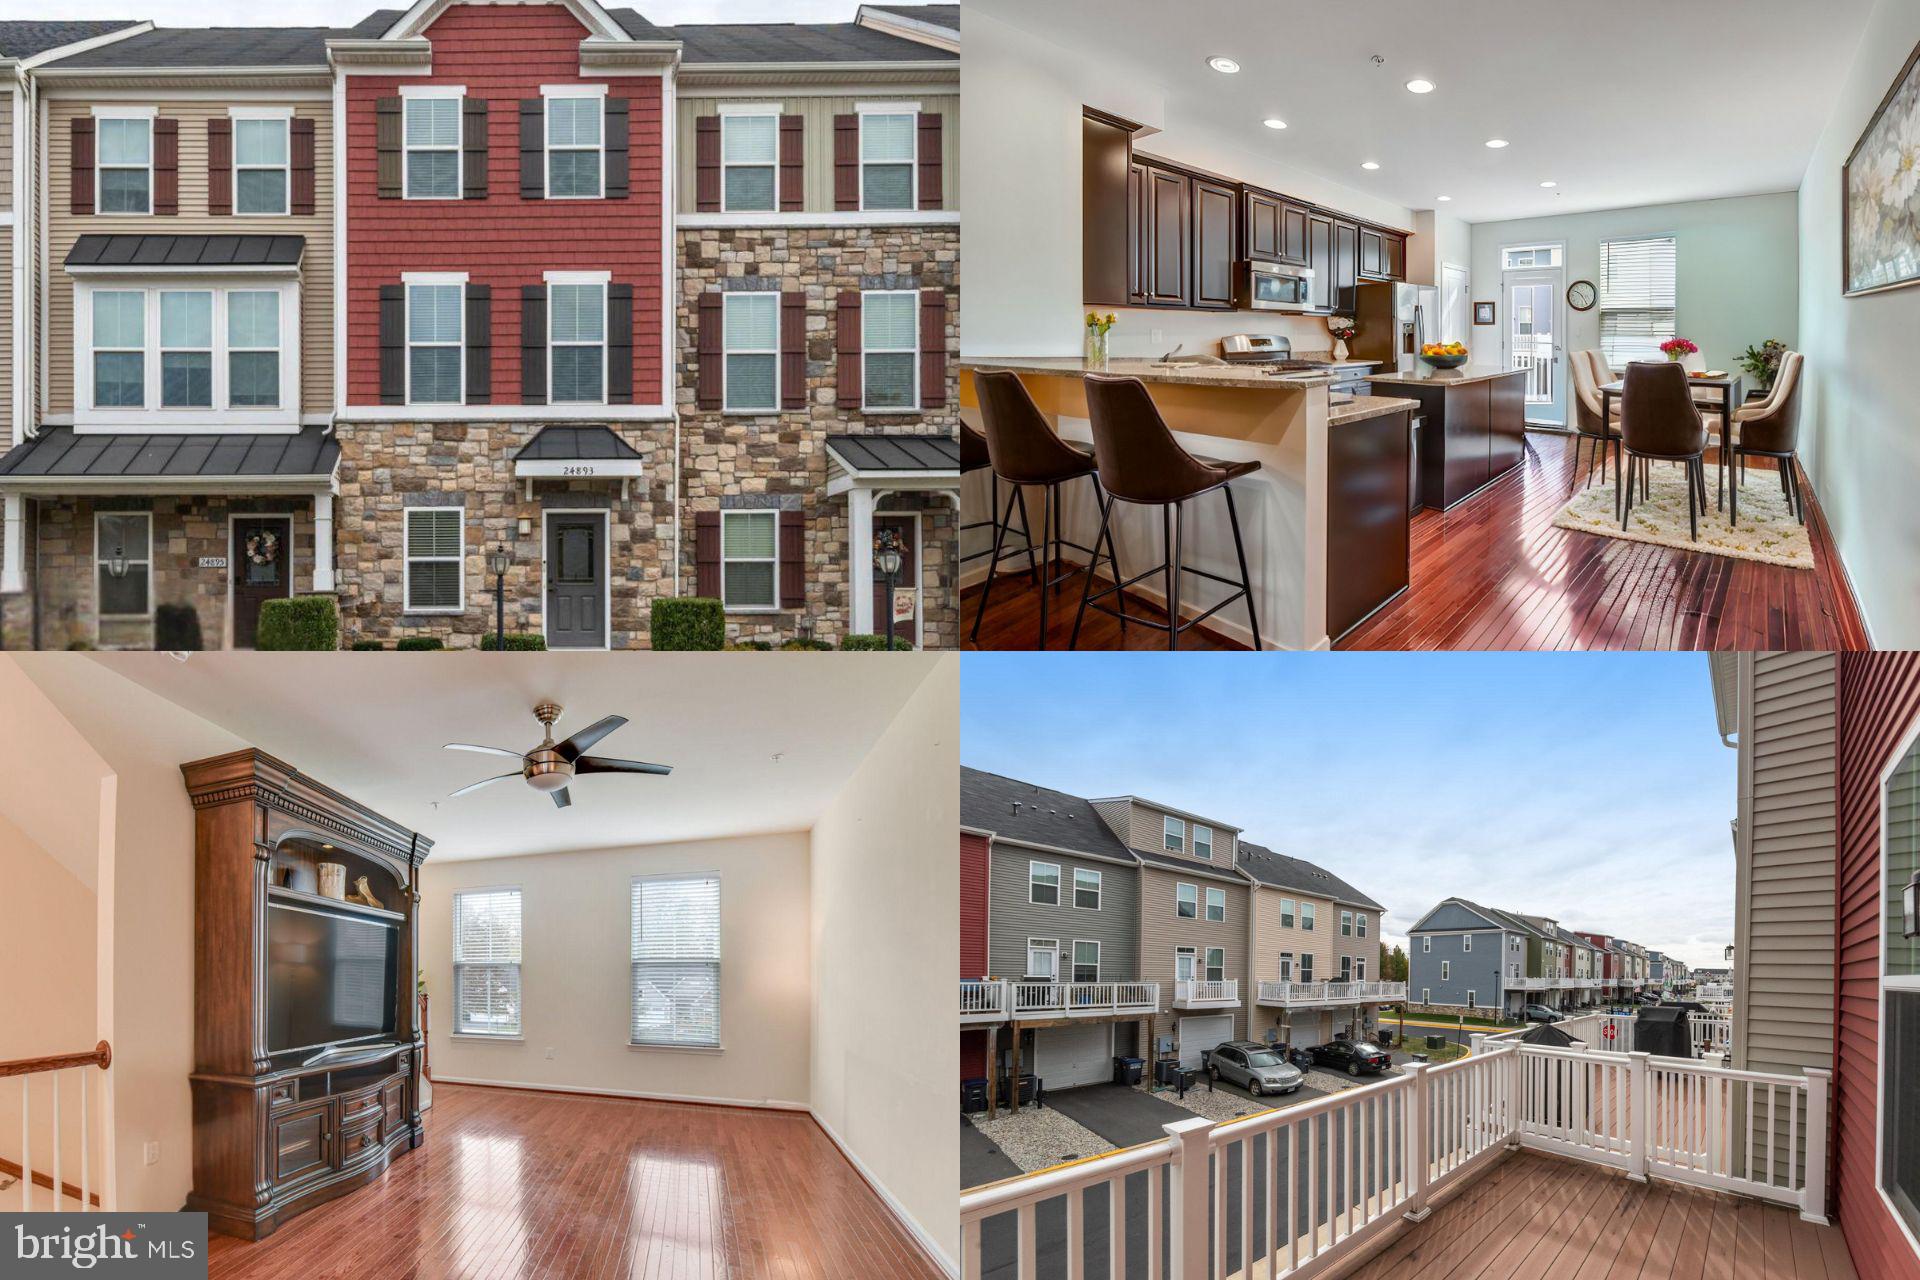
(514,1183)
(1495,573)
(1545,1218)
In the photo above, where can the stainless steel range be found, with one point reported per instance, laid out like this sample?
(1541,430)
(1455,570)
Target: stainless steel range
(1272,351)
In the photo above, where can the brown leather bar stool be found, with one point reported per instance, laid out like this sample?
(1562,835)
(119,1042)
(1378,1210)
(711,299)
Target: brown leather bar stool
(1024,450)
(1660,423)
(973,457)
(1141,463)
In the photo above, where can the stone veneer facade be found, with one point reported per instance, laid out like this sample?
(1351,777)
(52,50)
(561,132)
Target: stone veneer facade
(780,460)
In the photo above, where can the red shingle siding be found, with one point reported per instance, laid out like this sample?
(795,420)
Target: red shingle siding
(974,858)
(504,53)
(1879,698)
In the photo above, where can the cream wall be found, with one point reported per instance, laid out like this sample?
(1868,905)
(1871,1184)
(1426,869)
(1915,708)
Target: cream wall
(886,926)
(575,921)
(1857,410)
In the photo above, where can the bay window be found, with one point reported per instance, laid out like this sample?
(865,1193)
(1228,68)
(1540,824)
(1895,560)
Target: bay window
(119,348)
(577,342)
(749,559)
(890,349)
(186,349)
(191,355)
(253,348)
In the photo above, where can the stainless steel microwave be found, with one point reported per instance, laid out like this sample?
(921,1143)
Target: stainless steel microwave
(1274,286)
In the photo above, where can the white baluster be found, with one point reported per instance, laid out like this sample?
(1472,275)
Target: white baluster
(56,1140)
(26,1144)
(86,1081)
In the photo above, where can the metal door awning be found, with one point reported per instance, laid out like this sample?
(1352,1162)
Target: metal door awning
(578,453)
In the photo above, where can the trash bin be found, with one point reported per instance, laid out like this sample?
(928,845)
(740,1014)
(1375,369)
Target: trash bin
(973,1095)
(1435,1042)
(1128,1070)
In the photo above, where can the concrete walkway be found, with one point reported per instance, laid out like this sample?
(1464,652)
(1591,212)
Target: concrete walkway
(981,1161)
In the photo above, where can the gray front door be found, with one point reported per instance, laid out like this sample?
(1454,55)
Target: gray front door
(576,582)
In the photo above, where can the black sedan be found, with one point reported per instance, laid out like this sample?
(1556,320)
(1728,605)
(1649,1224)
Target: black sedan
(1355,1057)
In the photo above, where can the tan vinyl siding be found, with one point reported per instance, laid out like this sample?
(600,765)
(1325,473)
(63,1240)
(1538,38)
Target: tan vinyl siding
(1161,931)
(818,114)
(1271,938)
(63,228)
(7,322)
(1141,826)
(6,151)
(1784,931)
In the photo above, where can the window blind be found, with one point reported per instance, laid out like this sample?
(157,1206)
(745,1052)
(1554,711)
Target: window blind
(486,962)
(1636,298)
(676,961)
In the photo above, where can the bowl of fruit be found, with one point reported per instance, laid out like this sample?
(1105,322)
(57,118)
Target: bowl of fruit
(1444,355)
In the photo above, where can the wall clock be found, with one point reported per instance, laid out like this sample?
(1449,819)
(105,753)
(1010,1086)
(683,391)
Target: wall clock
(1581,295)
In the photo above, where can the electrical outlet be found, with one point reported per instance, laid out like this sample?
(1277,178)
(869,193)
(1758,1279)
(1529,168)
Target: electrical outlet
(151,1153)
(549,1053)
(1159,336)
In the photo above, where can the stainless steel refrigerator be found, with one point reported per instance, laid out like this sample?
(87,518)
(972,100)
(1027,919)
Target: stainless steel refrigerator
(1392,321)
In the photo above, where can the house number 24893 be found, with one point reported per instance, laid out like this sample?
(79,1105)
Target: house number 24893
(578,471)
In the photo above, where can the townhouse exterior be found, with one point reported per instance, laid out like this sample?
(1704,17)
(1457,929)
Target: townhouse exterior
(361,311)
(1315,953)
(1464,957)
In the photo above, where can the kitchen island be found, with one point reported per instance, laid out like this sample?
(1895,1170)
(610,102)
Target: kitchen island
(1324,519)
(1475,429)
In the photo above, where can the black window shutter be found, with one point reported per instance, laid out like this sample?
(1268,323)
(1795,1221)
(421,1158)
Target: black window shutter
(618,182)
(533,149)
(393,344)
(479,344)
(533,344)
(386,145)
(473,145)
(619,344)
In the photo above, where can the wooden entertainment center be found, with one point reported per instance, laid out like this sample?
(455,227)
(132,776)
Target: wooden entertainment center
(276,1133)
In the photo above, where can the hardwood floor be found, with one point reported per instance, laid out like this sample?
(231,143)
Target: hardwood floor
(515,1183)
(1495,573)
(1544,1218)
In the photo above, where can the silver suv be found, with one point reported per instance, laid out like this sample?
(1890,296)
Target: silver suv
(1255,1067)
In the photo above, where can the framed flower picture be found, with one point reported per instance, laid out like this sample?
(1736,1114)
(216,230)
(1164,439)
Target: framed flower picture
(1880,194)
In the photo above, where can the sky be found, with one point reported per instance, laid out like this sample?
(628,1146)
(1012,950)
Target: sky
(1589,788)
(335,13)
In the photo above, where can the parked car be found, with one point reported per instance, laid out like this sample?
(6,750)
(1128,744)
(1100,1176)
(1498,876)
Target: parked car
(1539,1013)
(1255,1067)
(1355,1057)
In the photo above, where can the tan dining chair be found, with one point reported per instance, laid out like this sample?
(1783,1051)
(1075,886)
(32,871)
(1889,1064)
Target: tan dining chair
(1771,429)
(1590,420)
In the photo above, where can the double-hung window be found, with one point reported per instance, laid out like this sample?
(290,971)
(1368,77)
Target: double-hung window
(1306,966)
(1446,970)
(206,349)
(1899,1138)
(431,142)
(1086,961)
(1346,968)
(750,332)
(486,962)
(1306,916)
(749,159)
(1346,924)
(890,350)
(436,350)
(887,156)
(1360,923)
(1202,841)
(1216,964)
(676,961)
(436,560)
(1043,883)
(253,348)
(124,165)
(186,349)
(1286,913)
(577,351)
(119,348)
(1637,298)
(576,119)
(1426,946)
(259,161)
(749,559)
(123,564)
(1086,889)
(1216,904)
(1186,901)
(1466,942)
(1173,835)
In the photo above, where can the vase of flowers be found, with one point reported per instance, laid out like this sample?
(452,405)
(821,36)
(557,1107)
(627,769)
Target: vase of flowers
(1098,326)
(1342,328)
(1678,349)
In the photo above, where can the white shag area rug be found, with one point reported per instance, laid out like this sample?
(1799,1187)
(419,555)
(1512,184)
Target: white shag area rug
(1767,530)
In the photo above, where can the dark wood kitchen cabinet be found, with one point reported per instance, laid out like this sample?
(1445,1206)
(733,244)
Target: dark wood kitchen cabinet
(1368,546)
(1276,228)
(1214,242)
(1371,255)
(1320,259)
(1108,272)
(1395,249)
(1161,230)
(1383,255)
(1474,432)
(1346,266)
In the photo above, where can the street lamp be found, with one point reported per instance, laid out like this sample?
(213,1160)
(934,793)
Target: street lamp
(887,559)
(499,562)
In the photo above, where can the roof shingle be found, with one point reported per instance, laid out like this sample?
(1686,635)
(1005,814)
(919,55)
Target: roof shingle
(29,39)
(174,47)
(1016,810)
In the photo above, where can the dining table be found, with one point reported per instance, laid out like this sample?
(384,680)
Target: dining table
(1722,391)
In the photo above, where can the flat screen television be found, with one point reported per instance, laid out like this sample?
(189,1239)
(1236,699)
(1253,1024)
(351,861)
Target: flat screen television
(330,978)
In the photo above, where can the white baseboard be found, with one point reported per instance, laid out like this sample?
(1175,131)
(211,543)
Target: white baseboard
(899,1212)
(763,1104)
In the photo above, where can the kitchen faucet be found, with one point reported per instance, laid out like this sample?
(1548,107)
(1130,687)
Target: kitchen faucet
(1168,358)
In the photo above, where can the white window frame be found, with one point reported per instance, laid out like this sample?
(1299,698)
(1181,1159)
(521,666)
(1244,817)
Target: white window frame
(1198,844)
(1033,882)
(1426,944)
(1181,892)
(1617,358)
(1472,1003)
(162,350)
(719,973)
(148,114)
(866,383)
(1192,956)
(1446,971)
(1360,923)
(864,109)
(131,561)
(727,298)
(727,605)
(1209,966)
(1346,924)
(1073,960)
(1286,913)
(407,558)
(1466,942)
(1094,889)
(730,111)
(223,304)
(1889,982)
(150,415)
(1346,969)
(1286,966)
(1426,995)
(1306,917)
(1305,966)
(549,92)
(518,1032)
(1216,898)
(1168,826)
(1360,969)
(433,279)
(1049,947)
(410,93)
(605,280)
(285,117)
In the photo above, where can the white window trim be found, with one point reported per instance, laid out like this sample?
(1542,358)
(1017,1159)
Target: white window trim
(149,416)
(1466,943)
(407,558)
(1287,916)
(1888,982)
(749,111)
(866,383)
(598,92)
(1167,821)
(1601,309)
(1306,917)
(1446,971)
(410,92)
(147,113)
(727,353)
(1194,834)
(719,971)
(605,280)
(1049,947)
(162,350)
(1304,964)
(1346,924)
(1097,888)
(1207,966)
(433,278)
(453,951)
(1472,1003)
(1033,866)
(285,116)
(1360,969)
(1360,923)
(1426,945)
(1426,995)
(1073,960)
(1214,894)
(1286,966)
(97,562)
(864,109)
(1346,968)
(727,605)
(1178,887)
(1189,953)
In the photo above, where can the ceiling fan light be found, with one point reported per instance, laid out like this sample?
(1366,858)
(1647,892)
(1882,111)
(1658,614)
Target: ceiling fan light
(548,781)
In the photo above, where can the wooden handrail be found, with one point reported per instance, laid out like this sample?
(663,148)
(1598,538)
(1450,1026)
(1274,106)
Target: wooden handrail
(99,1056)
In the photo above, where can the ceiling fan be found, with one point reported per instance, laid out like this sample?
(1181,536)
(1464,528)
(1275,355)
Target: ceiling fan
(550,766)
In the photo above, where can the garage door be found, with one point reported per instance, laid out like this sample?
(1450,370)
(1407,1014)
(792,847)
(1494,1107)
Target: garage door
(1197,1035)
(1066,1056)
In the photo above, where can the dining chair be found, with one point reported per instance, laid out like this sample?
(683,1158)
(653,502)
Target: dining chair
(1590,418)
(1771,429)
(1660,423)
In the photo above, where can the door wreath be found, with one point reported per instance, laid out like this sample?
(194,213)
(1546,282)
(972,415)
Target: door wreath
(263,547)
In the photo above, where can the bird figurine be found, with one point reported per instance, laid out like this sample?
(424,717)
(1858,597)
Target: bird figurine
(363,894)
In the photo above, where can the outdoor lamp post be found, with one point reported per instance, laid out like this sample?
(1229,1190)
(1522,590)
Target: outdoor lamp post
(499,562)
(887,559)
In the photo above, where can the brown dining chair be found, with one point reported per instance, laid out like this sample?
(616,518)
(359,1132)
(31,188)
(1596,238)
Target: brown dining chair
(1660,423)
(1141,463)
(1591,420)
(1024,451)
(1770,429)
(974,457)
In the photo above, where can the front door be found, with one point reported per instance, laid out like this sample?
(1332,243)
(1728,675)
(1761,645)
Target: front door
(1533,341)
(260,567)
(906,626)
(1043,962)
(576,582)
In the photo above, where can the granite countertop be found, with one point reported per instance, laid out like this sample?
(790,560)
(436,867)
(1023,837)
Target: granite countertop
(1426,374)
(1360,408)
(1213,374)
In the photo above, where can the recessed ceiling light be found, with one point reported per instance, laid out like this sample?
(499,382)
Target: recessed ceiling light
(1496,143)
(1419,86)
(1224,65)
(1369,164)
(1274,122)
(1549,183)
(1445,199)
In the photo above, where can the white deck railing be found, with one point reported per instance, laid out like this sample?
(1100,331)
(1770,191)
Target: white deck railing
(1317,993)
(984,999)
(1191,991)
(1297,1190)
(997,999)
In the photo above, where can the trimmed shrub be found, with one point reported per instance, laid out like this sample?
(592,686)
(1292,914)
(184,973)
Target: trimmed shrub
(809,646)
(683,623)
(176,628)
(418,644)
(517,642)
(755,646)
(871,644)
(80,646)
(306,623)
(367,646)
